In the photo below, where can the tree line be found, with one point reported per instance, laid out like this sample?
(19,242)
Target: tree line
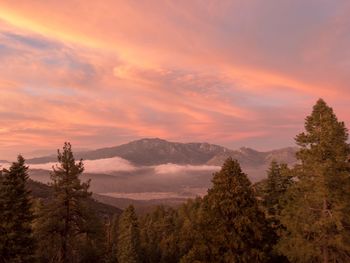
(296,214)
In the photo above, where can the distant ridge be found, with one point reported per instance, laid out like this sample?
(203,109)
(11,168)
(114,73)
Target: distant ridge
(252,158)
(150,151)
(155,151)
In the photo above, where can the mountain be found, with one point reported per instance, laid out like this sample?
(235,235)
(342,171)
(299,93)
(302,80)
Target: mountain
(154,171)
(148,152)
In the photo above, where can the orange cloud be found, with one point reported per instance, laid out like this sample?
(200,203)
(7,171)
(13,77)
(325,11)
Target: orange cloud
(146,39)
(102,73)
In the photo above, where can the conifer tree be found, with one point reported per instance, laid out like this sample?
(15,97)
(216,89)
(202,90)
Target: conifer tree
(159,237)
(65,221)
(128,237)
(235,229)
(90,243)
(274,188)
(196,235)
(111,232)
(188,215)
(317,215)
(278,180)
(16,239)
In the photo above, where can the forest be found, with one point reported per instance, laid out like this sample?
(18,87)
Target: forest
(296,214)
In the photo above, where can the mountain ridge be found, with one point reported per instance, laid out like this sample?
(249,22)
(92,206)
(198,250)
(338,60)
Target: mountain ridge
(155,151)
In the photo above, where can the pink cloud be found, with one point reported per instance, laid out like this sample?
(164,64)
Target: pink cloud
(235,73)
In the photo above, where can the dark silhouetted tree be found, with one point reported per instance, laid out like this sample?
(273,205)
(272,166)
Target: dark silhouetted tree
(67,224)
(16,238)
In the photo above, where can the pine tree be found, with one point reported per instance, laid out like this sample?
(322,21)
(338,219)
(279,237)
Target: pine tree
(64,223)
(90,244)
(279,179)
(196,233)
(317,215)
(128,237)
(274,188)
(111,232)
(189,222)
(235,230)
(159,237)
(16,239)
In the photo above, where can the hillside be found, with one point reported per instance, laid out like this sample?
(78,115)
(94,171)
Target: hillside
(44,192)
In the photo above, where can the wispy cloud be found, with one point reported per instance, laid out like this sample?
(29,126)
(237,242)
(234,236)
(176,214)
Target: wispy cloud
(235,72)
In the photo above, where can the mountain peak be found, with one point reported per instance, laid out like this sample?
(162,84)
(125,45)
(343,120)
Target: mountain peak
(247,150)
(155,151)
(149,140)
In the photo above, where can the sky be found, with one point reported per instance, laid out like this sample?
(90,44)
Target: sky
(102,73)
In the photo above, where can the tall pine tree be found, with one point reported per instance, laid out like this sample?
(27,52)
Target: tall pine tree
(16,239)
(64,223)
(317,215)
(128,237)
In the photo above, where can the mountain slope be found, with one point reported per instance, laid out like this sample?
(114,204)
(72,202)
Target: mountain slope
(150,152)
(44,192)
(106,205)
(251,158)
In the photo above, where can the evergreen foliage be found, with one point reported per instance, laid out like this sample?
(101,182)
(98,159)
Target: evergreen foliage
(190,222)
(273,193)
(233,227)
(279,179)
(16,238)
(129,250)
(159,236)
(111,230)
(316,214)
(66,226)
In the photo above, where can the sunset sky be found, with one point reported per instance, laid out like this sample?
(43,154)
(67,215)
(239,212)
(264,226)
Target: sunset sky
(102,73)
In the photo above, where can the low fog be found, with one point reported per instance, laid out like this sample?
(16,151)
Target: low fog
(117,177)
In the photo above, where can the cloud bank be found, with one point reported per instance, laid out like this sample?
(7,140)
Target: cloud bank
(108,165)
(117,164)
(177,169)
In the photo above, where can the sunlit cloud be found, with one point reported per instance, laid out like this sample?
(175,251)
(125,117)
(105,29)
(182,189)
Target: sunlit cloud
(169,169)
(235,72)
(107,165)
